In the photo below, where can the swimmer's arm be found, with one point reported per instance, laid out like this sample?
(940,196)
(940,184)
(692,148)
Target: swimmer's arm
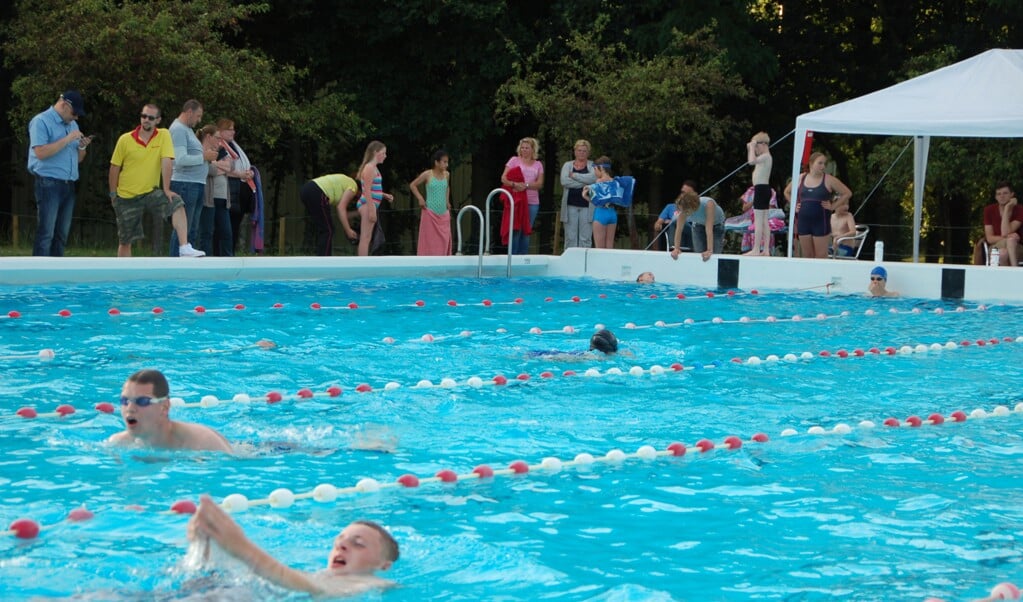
(274,571)
(346,585)
(211,521)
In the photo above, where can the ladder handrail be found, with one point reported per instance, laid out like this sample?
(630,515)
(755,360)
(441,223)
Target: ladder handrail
(511,221)
(458,224)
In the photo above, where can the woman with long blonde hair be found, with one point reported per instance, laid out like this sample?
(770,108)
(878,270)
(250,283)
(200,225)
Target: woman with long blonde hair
(527,160)
(372,194)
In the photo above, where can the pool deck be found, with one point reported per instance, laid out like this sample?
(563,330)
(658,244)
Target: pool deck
(928,281)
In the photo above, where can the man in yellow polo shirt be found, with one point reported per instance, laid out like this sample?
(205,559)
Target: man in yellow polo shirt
(141,157)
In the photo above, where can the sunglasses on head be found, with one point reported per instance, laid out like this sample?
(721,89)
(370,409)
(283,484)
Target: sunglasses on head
(141,402)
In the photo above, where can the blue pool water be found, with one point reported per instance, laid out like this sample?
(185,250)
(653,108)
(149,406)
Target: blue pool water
(874,514)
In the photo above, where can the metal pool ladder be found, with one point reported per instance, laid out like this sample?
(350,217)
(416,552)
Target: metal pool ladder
(458,223)
(485,227)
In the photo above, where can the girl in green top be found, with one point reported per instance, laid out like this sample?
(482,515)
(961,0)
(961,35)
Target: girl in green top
(435,221)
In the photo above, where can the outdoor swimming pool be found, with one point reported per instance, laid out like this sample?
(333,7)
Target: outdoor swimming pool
(871,514)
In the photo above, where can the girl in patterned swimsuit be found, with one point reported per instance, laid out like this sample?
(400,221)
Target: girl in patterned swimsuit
(369,179)
(435,219)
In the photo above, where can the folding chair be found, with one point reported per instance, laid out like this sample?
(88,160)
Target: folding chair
(855,242)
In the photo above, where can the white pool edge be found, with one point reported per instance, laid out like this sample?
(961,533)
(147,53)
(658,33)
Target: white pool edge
(927,281)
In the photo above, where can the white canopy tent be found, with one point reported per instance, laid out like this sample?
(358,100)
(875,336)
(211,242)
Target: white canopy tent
(979,97)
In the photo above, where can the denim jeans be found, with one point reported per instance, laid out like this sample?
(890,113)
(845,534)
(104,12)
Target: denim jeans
(215,236)
(192,194)
(520,242)
(700,237)
(55,205)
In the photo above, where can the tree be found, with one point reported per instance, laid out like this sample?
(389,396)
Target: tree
(123,54)
(635,109)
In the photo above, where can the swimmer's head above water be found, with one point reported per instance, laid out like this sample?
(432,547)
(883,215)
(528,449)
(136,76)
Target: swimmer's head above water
(605,341)
(645,278)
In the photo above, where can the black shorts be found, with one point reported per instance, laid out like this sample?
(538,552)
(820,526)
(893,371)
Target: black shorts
(761,197)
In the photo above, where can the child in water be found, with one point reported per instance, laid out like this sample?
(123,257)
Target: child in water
(603,341)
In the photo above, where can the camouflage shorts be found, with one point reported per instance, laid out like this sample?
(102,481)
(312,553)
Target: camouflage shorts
(130,211)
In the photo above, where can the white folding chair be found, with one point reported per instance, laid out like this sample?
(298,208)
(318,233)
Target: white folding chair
(854,242)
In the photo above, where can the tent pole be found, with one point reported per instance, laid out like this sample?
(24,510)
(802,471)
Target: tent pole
(921,146)
(797,160)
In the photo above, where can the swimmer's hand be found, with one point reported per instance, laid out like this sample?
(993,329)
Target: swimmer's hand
(210,521)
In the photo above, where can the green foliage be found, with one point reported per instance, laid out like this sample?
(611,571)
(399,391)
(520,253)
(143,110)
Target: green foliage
(419,74)
(636,109)
(124,54)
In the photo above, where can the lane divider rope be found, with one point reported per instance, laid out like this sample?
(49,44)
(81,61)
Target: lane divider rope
(500,380)
(26,528)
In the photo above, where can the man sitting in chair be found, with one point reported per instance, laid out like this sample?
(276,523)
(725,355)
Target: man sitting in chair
(843,225)
(1002,220)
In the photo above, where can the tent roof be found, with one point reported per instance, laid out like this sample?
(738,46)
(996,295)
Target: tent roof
(979,97)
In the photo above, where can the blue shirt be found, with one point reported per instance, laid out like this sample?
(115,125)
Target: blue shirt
(700,215)
(189,163)
(45,128)
(668,212)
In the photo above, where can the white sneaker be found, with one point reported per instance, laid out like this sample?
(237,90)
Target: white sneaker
(186,250)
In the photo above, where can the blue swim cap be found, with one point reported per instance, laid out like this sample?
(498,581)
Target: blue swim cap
(879,271)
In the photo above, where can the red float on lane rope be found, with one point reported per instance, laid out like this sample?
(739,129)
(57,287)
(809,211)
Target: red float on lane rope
(519,467)
(183,507)
(677,449)
(24,528)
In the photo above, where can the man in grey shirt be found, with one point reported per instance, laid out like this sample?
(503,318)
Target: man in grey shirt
(190,168)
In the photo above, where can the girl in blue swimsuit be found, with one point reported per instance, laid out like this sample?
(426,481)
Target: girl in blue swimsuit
(817,190)
(605,218)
